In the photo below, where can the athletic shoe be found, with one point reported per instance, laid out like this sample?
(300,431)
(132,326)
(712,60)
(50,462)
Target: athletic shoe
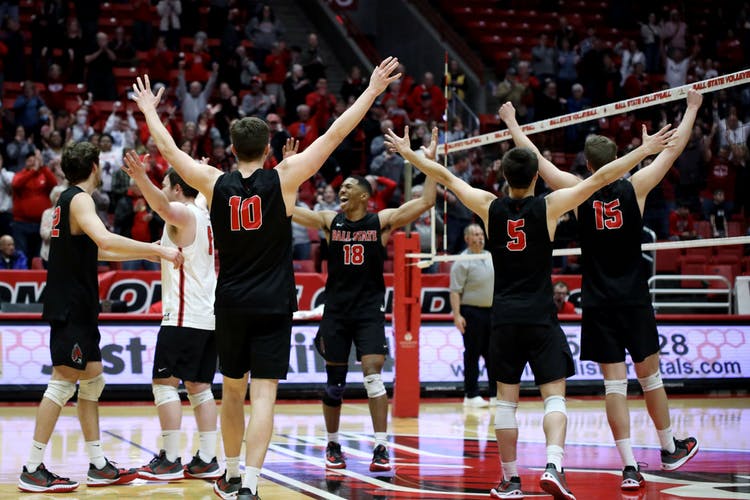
(684,450)
(631,478)
(476,402)
(380,459)
(43,481)
(246,494)
(493,401)
(109,475)
(227,488)
(198,469)
(161,469)
(553,482)
(334,457)
(508,489)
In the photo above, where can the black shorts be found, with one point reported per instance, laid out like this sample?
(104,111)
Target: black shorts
(74,344)
(186,353)
(606,332)
(255,343)
(335,337)
(544,347)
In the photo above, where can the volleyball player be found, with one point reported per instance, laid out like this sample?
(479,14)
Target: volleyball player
(71,305)
(251,212)
(354,309)
(617,312)
(185,345)
(520,230)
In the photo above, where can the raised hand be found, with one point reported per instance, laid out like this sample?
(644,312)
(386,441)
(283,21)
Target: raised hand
(659,141)
(507,112)
(290,148)
(398,144)
(143,96)
(694,99)
(133,166)
(381,76)
(430,151)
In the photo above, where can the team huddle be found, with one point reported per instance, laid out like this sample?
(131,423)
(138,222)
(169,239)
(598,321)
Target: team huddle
(245,215)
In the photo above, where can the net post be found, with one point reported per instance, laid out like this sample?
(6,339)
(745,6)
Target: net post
(407,285)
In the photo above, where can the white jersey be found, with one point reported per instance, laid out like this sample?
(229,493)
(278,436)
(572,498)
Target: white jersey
(188,292)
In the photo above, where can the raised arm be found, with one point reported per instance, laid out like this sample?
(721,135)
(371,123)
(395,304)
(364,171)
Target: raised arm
(173,213)
(393,218)
(553,176)
(477,200)
(648,177)
(113,246)
(567,199)
(294,170)
(195,174)
(312,219)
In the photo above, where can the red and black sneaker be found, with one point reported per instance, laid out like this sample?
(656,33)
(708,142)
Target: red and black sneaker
(631,478)
(381,461)
(684,450)
(43,481)
(109,475)
(334,457)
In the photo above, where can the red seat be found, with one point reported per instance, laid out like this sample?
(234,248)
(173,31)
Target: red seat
(36,263)
(692,269)
(668,261)
(720,270)
(704,251)
(729,251)
(703,229)
(445,267)
(734,228)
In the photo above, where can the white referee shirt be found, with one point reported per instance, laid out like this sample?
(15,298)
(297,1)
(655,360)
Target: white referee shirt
(188,292)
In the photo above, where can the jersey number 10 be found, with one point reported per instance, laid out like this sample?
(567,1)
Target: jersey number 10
(245,214)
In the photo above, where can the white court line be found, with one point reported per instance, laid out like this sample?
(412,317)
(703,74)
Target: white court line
(286,480)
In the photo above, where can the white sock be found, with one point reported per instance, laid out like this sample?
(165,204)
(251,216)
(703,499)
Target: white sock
(96,454)
(36,456)
(233,467)
(207,450)
(555,456)
(626,452)
(333,436)
(666,439)
(381,438)
(171,440)
(510,469)
(251,479)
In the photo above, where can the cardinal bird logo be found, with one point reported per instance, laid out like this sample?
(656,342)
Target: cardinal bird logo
(76,354)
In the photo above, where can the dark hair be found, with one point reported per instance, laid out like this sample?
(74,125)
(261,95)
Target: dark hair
(363,183)
(520,165)
(78,160)
(599,151)
(176,180)
(249,138)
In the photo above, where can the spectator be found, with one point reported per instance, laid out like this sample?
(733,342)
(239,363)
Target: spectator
(455,80)
(169,21)
(10,258)
(391,166)
(54,95)
(45,226)
(382,192)
(122,131)
(9,8)
(423,227)
(239,69)
(721,175)
(74,53)
(100,76)
(296,87)
(26,108)
(417,98)
(81,130)
(305,130)
(300,237)
(198,59)
(123,49)
(567,60)
(676,68)
(575,135)
(630,55)
(674,33)
(6,198)
(15,60)
(651,37)
(543,59)
(377,146)
(256,102)
(731,130)
(195,101)
(636,83)
(18,150)
(142,26)
(31,188)
(681,223)
(691,165)
(718,215)
(458,216)
(279,135)
(276,64)
(265,31)
(354,84)
(312,60)
(133,220)
(159,62)
(560,295)
(549,103)
(219,157)
(110,161)
(322,103)
(228,112)
(53,150)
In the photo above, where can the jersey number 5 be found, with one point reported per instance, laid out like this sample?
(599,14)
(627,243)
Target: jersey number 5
(607,215)
(245,214)
(354,254)
(517,237)
(55,221)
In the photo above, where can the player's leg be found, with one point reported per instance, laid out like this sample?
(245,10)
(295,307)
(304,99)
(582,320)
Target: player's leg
(555,424)
(232,417)
(167,465)
(259,429)
(332,399)
(472,350)
(377,398)
(204,464)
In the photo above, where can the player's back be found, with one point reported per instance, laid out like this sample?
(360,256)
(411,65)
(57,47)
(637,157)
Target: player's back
(611,225)
(254,240)
(518,240)
(72,289)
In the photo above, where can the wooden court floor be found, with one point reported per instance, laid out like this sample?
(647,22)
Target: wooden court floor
(448,452)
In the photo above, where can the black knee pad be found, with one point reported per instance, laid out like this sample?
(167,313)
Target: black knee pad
(335,384)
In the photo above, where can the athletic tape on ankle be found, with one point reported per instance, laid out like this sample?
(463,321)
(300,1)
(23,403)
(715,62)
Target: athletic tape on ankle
(616,387)
(91,389)
(164,394)
(505,415)
(652,382)
(59,391)
(374,386)
(199,398)
(553,404)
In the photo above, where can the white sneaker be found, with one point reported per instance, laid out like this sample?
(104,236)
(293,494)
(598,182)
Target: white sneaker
(476,402)
(493,401)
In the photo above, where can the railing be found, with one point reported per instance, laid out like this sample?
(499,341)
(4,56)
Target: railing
(468,117)
(691,291)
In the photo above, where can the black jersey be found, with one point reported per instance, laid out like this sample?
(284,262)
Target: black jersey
(356,254)
(613,268)
(72,290)
(518,240)
(254,240)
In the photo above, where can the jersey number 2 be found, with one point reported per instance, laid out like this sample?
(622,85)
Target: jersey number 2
(354,254)
(607,215)
(517,236)
(55,221)
(245,214)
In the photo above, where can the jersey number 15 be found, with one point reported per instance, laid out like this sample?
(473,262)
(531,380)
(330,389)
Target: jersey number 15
(607,215)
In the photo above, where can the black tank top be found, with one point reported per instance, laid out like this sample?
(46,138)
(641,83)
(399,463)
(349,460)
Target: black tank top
(355,284)
(614,272)
(72,289)
(254,241)
(522,257)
